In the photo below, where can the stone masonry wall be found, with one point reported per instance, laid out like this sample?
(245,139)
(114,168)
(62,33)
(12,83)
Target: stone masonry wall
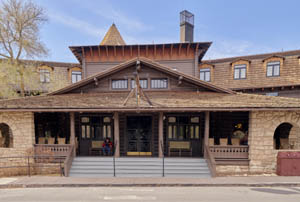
(262,125)
(22,127)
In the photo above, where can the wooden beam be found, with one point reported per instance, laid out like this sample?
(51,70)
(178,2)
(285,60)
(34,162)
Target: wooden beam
(179,49)
(163,49)
(72,131)
(171,50)
(147,50)
(131,51)
(197,47)
(99,52)
(206,129)
(188,49)
(115,51)
(139,51)
(106,48)
(160,134)
(83,52)
(123,51)
(96,81)
(154,50)
(116,134)
(92,54)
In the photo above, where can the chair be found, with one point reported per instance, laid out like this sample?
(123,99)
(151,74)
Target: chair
(223,141)
(42,140)
(211,141)
(61,140)
(51,140)
(180,147)
(235,141)
(284,143)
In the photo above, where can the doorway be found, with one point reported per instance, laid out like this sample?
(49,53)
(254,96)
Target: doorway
(139,134)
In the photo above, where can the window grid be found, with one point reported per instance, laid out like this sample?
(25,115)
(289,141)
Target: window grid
(143,83)
(205,74)
(159,83)
(76,76)
(273,69)
(240,71)
(44,76)
(119,84)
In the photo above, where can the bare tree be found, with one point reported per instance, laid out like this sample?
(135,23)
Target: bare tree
(20,23)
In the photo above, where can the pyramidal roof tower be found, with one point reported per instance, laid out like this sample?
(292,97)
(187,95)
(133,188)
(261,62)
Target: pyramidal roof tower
(113,37)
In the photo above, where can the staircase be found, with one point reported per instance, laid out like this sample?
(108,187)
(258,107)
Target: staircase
(139,167)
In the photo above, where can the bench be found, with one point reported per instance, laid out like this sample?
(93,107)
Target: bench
(180,147)
(96,148)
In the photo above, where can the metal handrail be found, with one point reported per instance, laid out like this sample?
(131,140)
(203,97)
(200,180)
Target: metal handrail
(114,157)
(163,158)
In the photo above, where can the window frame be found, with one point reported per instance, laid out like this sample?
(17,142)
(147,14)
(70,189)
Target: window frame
(204,71)
(239,68)
(76,71)
(44,75)
(159,88)
(273,67)
(114,88)
(133,80)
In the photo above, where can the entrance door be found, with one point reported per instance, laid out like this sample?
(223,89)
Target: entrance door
(139,130)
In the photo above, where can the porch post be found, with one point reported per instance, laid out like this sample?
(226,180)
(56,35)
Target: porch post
(116,134)
(160,134)
(72,131)
(206,132)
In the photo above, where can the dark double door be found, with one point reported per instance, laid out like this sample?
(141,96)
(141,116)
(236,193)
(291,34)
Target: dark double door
(139,133)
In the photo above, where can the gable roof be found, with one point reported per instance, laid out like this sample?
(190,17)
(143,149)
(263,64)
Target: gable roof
(148,63)
(113,37)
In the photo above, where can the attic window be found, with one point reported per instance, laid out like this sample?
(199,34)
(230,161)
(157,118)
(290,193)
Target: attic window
(76,76)
(143,83)
(44,75)
(159,83)
(119,84)
(273,69)
(205,74)
(240,71)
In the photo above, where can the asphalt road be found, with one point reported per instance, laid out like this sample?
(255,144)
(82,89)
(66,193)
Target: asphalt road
(145,194)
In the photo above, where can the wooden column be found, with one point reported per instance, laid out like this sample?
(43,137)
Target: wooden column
(206,131)
(72,130)
(117,134)
(160,134)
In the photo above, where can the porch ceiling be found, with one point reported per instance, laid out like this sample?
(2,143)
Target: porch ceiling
(161,101)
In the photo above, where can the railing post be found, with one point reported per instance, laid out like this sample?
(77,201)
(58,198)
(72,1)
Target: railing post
(60,167)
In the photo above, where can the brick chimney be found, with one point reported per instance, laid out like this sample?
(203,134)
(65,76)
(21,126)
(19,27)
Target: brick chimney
(186,26)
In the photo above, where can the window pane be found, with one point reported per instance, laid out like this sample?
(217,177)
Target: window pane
(109,131)
(181,132)
(159,83)
(243,73)
(236,73)
(88,135)
(269,71)
(120,84)
(143,83)
(85,119)
(276,70)
(202,76)
(82,131)
(197,132)
(170,134)
(104,132)
(106,120)
(192,132)
(195,120)
(207,76)
(175,132)
(172,119)
(74,80)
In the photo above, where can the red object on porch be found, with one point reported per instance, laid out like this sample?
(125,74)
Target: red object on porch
(288,163)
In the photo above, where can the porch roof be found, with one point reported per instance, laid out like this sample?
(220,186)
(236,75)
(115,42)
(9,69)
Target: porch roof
(161,101)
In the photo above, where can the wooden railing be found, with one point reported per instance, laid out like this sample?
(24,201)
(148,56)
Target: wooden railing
(51,149)
(230,151)
(210,161)
(68,161)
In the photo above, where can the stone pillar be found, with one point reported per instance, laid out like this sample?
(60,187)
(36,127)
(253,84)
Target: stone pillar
(160,134)
(72,131)
(116,134)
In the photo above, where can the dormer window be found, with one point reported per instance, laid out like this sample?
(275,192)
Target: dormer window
(273,69)
(205,74)
(240,71)
(44,76)
(76,76)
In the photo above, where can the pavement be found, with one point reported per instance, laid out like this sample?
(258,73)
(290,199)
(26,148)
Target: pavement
(56,181)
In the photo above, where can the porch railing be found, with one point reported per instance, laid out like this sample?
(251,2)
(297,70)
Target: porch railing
(51,149)
(230,151)
(68,161)
(210,161)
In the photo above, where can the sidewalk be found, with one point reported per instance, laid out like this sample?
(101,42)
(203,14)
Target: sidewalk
(45,181)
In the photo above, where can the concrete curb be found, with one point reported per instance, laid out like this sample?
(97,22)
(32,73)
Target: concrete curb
(281,184)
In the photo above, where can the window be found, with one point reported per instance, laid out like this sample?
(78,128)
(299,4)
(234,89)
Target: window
(143,83)
(272,94)
(96,127)
(6,136)
(183,128)
(44,75)
(119,84)
(273,69)
(205,74)
(159,83)
(240,71)
(76,76)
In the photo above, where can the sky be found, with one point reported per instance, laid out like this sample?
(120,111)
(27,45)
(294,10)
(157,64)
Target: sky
(236,27)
